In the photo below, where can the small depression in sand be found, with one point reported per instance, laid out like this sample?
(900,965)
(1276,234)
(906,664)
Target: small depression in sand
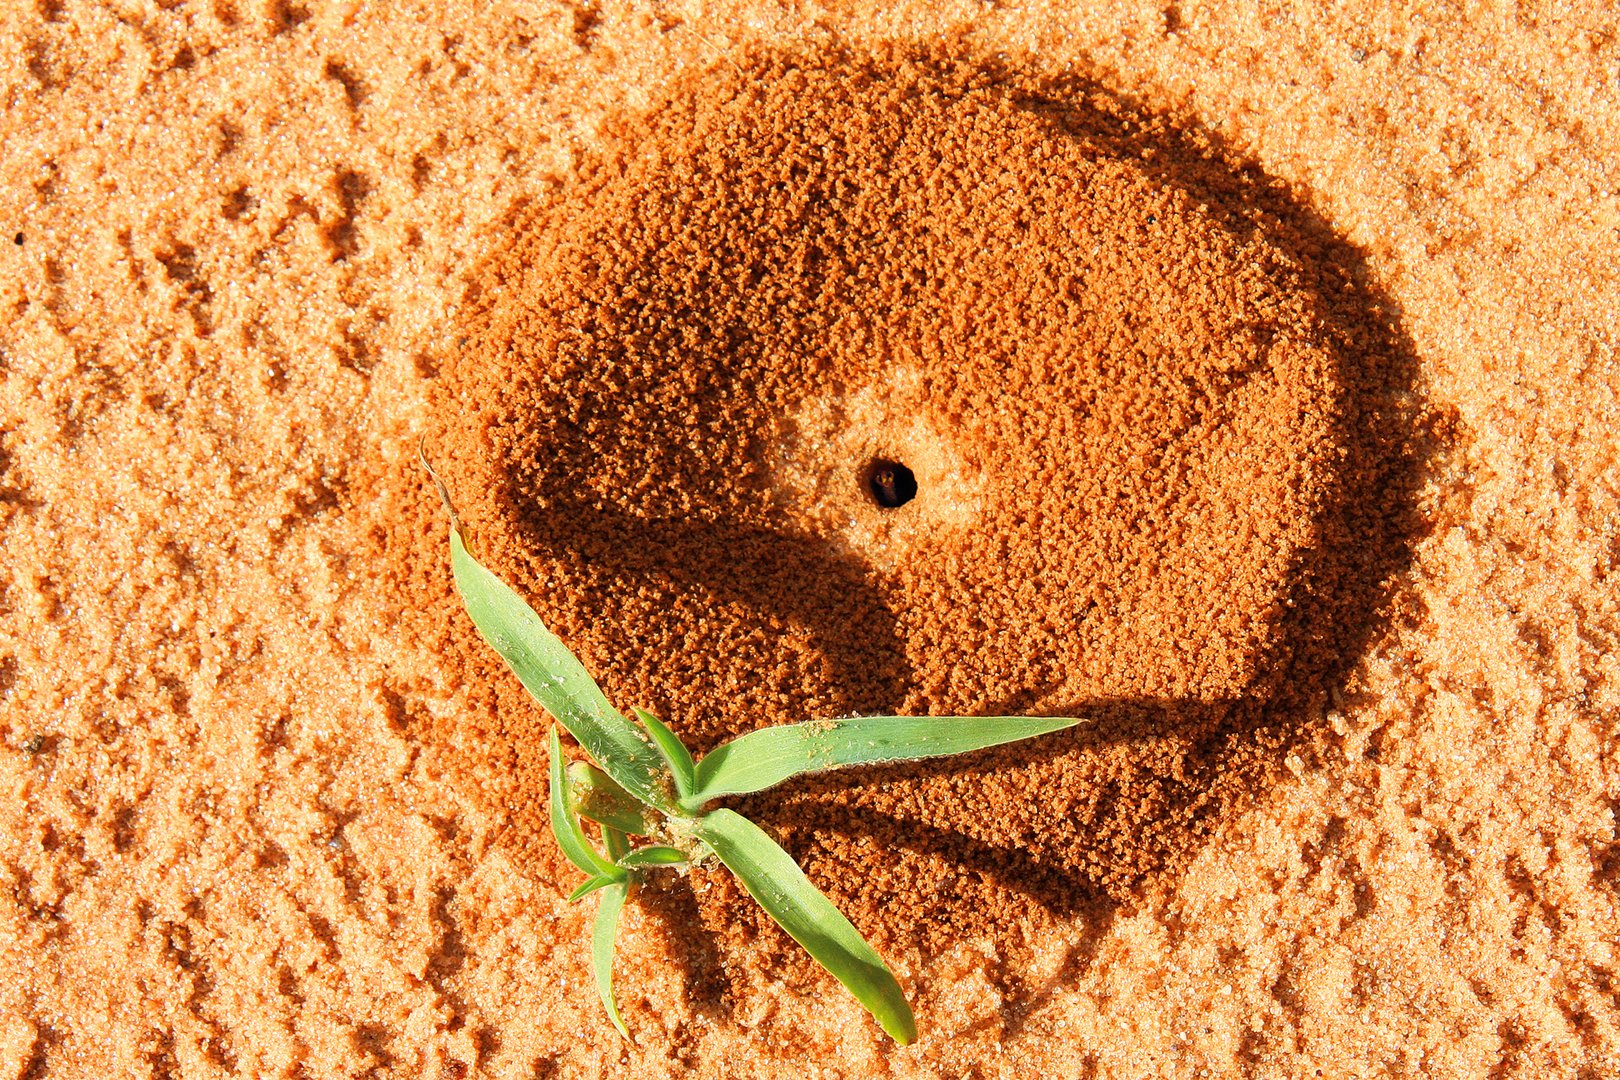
(1142,408)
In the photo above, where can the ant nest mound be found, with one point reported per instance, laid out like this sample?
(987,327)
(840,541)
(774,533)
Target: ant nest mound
(858,384)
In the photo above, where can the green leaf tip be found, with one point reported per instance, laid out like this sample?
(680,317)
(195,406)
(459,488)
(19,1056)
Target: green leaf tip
(565,825)
(602,939)
(774,880)
(556,679)
(654,855)
(674,752)
(767,757)
(590,885)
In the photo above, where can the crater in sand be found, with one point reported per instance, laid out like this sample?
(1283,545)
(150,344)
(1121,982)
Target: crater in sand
(1141,396)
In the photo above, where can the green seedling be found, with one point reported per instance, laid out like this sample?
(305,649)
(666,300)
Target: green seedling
(646,784)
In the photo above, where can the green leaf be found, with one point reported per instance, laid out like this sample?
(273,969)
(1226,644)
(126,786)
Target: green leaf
(773,879)
(590,885)
(607,928)
(767,757)
(618,844)
(654,855)
(565,823)
(673,751)
(599,799)
(557,680)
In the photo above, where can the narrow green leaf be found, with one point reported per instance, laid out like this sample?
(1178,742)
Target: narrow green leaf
(773,879)
(673,751)
(618,844)
(653,855)
(607,928)
(556,678)
(601,800)
(765,758)
(590,885)
(565,823)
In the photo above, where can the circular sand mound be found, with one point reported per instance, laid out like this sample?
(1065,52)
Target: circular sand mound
(1118,411)
(877,384)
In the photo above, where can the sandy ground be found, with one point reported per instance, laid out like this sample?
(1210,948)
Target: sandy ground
(236,236)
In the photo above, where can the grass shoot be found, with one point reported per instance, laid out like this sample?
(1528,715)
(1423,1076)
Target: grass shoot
(652,802)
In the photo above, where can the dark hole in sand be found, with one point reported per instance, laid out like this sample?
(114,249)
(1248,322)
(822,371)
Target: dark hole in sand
(890,483)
